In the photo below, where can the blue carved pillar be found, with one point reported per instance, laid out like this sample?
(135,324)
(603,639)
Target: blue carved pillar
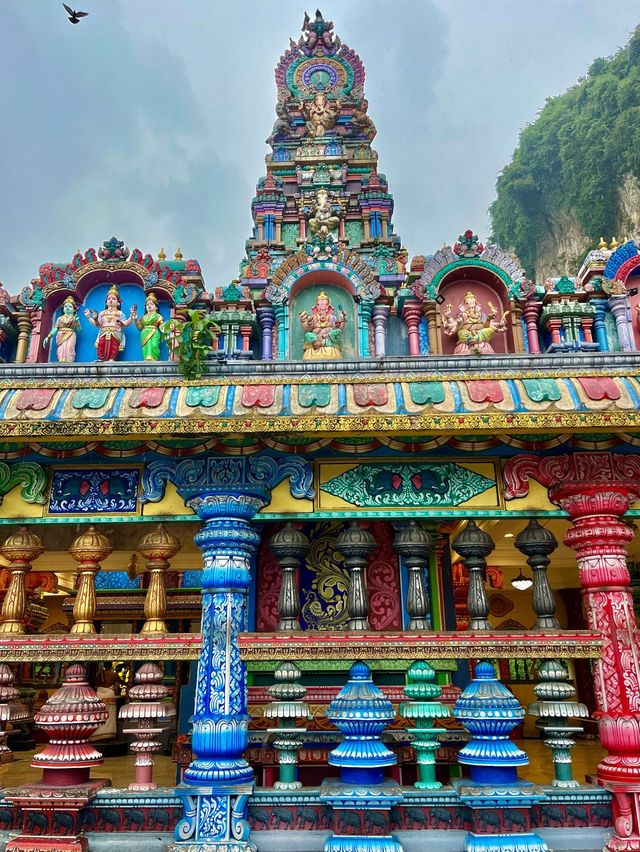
(267,320)
(226,493)
(599,326)
(282,319)
(365,310)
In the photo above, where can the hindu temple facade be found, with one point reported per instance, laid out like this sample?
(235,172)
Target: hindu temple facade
(351,534)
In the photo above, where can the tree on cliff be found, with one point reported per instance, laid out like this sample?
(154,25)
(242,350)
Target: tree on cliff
(572,159)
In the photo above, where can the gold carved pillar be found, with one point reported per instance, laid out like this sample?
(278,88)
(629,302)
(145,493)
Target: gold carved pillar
(24,330)
(89,550)
(431,315)
(20,549)
(158,547)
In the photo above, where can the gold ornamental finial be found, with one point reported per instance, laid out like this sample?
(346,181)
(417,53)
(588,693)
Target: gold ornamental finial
(614,244)
(602,245)
(162,255)
(178,254)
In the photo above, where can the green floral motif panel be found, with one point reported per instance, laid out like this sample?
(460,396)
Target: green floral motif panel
(290,234)
(542,390)
(206,396)
(423,393)
(408,484)
(90,398)
(309,395)
(355,232)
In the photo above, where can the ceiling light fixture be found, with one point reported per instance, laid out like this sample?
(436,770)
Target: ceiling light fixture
(522,583)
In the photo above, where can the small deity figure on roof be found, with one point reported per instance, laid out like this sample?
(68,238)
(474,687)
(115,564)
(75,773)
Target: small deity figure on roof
(65,330)
(361,122)
(320,114)
(282,124)
(324,213)
(110,324)
(149,328)
(323,330)
(318,36)
(473,327)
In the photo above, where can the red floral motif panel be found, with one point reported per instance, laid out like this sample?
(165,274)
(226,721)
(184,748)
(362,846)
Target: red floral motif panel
(268,584)
(261,395)
(147,398)
(370,394)
(36,399)
(484,390)
(383,581)
(600,388)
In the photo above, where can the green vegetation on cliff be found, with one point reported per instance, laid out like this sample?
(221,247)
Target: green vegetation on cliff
(571,159)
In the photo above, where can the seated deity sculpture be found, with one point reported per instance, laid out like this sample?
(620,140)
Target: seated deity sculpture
(323,330)
(324,214)
(320,114)
(65,330)
(110,324)
(474,328)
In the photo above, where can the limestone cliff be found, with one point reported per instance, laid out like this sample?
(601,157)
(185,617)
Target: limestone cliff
(575,175)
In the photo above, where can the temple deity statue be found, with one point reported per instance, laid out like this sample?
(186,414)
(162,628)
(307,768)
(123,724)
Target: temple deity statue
(361,122)
(473,327)
(65,330)
(324,213)
(110,323)
(323,330)
(282,124)
(149,328)
(320,114)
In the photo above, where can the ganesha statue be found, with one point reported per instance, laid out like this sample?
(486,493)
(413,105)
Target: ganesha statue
(323,330)
(473,328)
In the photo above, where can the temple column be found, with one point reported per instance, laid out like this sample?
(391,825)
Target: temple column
(365,310)
(380,317)
(356,545)
(281,313)
(267,320)
(596,489)
(531,312)
(411,313)
(619,309)
(24,330)
(226,493)
(431,315)
(474,545)
(414,545)
(599,326)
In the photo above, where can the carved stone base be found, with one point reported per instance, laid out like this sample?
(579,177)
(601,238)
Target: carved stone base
(48,843)
(528,842)
(357,843)
(213,846)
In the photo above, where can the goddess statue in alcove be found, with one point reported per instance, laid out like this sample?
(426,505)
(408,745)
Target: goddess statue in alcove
(474,328)
(65,330)
(323,330)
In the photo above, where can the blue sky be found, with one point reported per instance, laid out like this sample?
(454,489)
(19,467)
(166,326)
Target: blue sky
(148,119)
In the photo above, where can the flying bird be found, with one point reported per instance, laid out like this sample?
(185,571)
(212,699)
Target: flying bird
(74,16)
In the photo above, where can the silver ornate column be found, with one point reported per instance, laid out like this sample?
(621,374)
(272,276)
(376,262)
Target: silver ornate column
(474,545)
(356,545)
(290,546)
(536,543)
(415,544)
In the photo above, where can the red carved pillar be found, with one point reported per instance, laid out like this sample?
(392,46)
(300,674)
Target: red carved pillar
(596,489)
(245,334)
(587,329)
(411,313)
(555,325)
(530,312)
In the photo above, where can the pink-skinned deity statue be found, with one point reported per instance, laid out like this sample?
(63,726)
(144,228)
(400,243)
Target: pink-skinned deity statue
(322,330)
(110,324)
(473,328)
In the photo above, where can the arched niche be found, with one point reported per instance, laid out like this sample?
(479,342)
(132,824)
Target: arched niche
(91,293)
(303,297)
(487,287)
